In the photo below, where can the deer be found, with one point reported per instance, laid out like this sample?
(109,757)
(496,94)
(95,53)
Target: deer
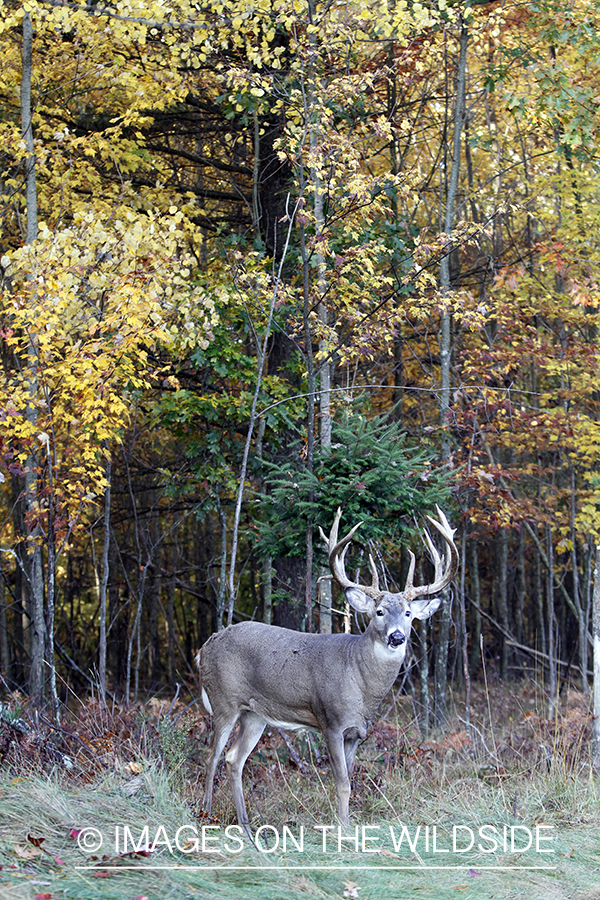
(261,674)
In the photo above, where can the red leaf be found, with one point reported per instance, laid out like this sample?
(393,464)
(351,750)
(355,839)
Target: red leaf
(74,833)
(37,842)
(43,897)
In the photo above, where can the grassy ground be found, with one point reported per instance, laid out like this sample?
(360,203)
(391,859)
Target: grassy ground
(131,772)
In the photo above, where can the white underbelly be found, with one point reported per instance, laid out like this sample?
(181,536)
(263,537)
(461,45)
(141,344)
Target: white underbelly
(286,726)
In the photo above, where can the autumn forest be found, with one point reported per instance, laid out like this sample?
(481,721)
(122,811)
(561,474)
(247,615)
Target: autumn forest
(263,259)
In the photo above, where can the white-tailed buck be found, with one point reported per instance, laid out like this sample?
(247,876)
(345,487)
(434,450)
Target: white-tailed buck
(264,675)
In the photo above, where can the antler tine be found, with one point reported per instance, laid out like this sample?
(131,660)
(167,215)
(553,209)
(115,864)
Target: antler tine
(337,552)
(437,560)
(332,540)
(340,560)
(374,574)
(324,538)
(343,544)
(411,573)
(331,543)
(443,575)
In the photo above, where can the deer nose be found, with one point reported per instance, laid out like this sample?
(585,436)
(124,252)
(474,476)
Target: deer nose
(396,639)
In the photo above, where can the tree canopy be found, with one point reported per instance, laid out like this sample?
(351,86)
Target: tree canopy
(288,255)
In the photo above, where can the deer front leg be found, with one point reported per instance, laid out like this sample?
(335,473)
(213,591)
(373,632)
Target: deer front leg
(339,768)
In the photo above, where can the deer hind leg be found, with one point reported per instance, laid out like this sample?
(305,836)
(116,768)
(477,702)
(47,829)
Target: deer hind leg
(350,748)
(251,728)
(339,767)
(222,728)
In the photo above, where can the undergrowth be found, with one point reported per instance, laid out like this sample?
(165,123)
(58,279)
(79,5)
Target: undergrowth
(144,765)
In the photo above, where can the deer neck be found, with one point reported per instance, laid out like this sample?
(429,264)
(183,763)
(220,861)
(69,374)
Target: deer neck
(378,667)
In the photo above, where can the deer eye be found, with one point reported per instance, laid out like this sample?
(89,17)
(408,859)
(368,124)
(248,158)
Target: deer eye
(408,612)
(380,612)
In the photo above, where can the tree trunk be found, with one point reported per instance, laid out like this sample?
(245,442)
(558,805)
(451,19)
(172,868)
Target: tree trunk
(154,661)
(34,563)
(589,572)
(552,678)
(325,366)
(171,613)
(452,188)
(581,612)
(425,716)
(539,605)
(502,599)
(476,613)
(596,636)
(104,583)
(50,582)
(522,588)
(464,639)
(441,659)
(223,578)
(267,590)
(288,585)
(325,601)
(441,663)
(117,625)
(5,666)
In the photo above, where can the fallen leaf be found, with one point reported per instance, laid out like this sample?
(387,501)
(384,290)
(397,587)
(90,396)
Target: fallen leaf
(352,890)
(37,842)
(59,861)
(27,852)
(74,833)
(43,897)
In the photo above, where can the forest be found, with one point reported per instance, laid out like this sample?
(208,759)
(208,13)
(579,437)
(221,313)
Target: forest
(263,259)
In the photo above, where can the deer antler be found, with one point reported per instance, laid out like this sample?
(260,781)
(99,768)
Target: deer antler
(443,576)
(337,551)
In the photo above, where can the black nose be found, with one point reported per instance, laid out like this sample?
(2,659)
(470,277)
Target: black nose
(396,638)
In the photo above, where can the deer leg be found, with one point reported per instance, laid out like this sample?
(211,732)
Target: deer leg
(337,759)
(221,731)
(350,748)
(251,728)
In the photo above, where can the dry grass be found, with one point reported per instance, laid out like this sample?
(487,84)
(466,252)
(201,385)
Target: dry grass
(145,766)
(519,766)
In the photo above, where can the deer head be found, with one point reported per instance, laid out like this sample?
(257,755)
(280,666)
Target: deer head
(391,613)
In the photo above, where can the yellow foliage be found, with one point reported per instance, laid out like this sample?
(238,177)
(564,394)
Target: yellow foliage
(86,306)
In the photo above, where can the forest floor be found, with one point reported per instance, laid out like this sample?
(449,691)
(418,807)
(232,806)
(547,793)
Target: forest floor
(109,806)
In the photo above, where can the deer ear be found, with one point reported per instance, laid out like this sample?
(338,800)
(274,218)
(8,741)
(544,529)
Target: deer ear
(423,609)
(360,601)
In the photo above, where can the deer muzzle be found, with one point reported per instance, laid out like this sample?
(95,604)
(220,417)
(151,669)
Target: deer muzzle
(396,639)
